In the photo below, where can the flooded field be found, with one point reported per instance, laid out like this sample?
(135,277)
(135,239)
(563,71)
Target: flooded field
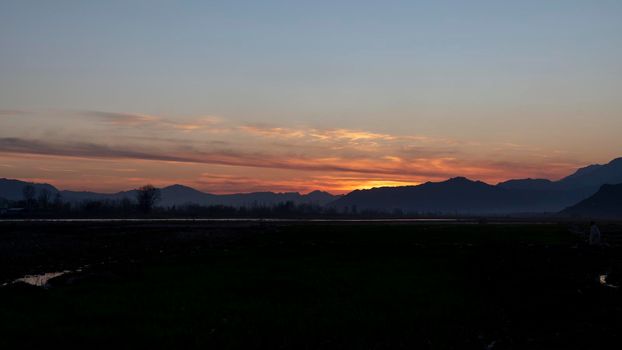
(311,285)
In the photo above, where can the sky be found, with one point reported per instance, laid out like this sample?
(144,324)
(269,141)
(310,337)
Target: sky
(240,96)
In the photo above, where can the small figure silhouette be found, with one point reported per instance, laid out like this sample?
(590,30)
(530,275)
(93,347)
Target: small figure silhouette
(595,237)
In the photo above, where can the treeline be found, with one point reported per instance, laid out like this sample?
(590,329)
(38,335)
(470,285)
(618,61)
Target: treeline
(35,201)
(45,204)
(128,208)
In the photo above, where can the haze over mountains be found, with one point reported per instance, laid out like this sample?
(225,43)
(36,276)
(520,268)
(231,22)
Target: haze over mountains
(587,179)
(464,196)
(454,196)
(604,204)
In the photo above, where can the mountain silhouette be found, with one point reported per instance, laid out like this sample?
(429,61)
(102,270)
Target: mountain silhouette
(81,196)
(179,194)
(528,184)
(271,198)
(604,204)
(12,189)
(456,195)
(593,176)
(173,195)
(586,180)
(320,197)
(460,195)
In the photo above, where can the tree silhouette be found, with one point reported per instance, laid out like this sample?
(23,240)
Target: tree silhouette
(126,205)
(44,198)
(58,201)
(29,192)
(147,196)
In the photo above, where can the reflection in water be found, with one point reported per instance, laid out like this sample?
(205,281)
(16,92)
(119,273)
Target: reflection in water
(602,279)
(40,280)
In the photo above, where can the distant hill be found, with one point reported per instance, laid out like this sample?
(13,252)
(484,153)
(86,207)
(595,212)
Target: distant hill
(593,176)
(585,180)
(528,184)
(81,196)
(174,195)
(270,198)
(320,197)
(606,203)
(179,194)
(12,189)
(460,195)
(455,196)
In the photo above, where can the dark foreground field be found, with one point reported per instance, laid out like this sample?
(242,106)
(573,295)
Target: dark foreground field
(307,286)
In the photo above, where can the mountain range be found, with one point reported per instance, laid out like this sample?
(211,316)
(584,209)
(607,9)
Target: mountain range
(604,204)
(173,195)
(463,196)
(458,195)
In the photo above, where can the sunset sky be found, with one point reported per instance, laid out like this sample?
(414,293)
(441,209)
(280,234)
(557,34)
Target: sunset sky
(240,96)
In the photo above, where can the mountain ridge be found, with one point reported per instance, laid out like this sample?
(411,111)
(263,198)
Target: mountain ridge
(604,204)
(454,195)
(176,194)
(511,196)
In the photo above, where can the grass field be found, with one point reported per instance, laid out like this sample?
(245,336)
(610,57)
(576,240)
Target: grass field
(307,286)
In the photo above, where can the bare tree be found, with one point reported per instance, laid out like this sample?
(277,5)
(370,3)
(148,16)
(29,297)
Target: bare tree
(44,198)
(147,196)
(126,205)
(58,201)
(29,192)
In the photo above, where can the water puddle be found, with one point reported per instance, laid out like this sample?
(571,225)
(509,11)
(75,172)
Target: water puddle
(602,279)
(40,280)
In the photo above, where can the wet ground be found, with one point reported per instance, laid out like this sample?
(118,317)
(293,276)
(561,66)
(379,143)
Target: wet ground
(313,285)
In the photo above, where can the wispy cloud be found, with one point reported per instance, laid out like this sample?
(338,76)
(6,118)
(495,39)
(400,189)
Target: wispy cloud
(12,112)
(211,123)
(314,133)
(146,120)
(336,137)
(336,158)
(128,119)
(415,168)
(271,131)
(77,149)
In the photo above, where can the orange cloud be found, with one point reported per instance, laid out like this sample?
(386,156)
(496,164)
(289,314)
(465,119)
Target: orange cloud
(271,131)
(411,170)
(315,134)
(204,123)
(159,149)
